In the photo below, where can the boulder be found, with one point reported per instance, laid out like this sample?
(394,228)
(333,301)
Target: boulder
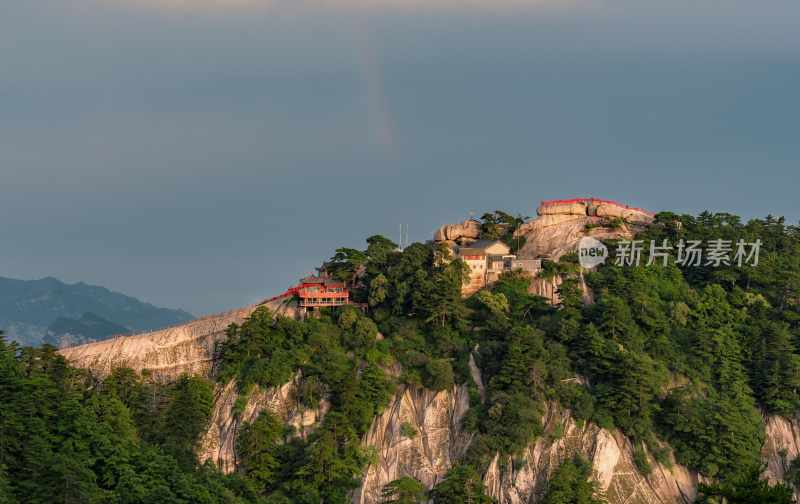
(562,223)
(611,211)
(574,208)
(625,213)
(470,229)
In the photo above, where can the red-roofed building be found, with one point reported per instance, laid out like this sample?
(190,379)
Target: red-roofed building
(318,291)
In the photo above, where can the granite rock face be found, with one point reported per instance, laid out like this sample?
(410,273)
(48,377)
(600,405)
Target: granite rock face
(562,223)
(418,435)
(469,229)
(552,236)
(167,353)
(610,453)
(421,433)
(219,442)
(546,288)
(440,440)
(781,447)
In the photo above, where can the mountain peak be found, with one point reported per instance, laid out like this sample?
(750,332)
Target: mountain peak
(28,308)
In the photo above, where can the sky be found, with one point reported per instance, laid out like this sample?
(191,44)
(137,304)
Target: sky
(204,154)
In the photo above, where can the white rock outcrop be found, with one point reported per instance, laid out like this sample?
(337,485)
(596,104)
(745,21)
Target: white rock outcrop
(219,442)
(781,447)
(418,435)
(552,236)
(633,215)
(167,353)
(438,440)
(469,229)
(562,223)
(565,208)
(524,479)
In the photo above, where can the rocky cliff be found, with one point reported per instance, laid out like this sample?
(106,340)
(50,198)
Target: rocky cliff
(420,433)
(781,447)
(187,348)
(562,223)
(219,442)
(557,230)
(524,479)
(469,229)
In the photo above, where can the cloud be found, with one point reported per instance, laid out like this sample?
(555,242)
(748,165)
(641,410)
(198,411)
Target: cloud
(379,116)
(351,5)
(436,4)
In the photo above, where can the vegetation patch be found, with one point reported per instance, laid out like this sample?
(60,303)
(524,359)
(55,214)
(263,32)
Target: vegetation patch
(680,358)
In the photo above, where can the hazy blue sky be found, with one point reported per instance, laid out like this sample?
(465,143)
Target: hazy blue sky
(204,154)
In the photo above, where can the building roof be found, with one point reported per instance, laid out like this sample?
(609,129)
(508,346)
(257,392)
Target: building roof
(484,244)
(481,247)
(328,282)
(470,251)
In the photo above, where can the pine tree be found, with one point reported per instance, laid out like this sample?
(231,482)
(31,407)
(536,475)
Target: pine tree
(256,448)
(570,484)
(187,417)
(461,485)
(405,490)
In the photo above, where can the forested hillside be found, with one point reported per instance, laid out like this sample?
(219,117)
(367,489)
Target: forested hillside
(684,360)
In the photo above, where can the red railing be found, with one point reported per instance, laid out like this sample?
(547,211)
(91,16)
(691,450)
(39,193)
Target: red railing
(291,291)
(323,302)
(322,294)
(303,293)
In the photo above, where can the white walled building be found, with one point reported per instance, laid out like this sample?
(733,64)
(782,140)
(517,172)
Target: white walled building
(486,260)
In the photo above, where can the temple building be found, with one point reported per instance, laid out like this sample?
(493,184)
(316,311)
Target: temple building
(488,259)
(320,291)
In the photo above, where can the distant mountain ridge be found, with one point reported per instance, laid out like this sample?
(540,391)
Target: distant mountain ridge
(28,308)
(66,332)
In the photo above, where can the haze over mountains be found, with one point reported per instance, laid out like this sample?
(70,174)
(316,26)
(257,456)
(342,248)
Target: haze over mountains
(51,311)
